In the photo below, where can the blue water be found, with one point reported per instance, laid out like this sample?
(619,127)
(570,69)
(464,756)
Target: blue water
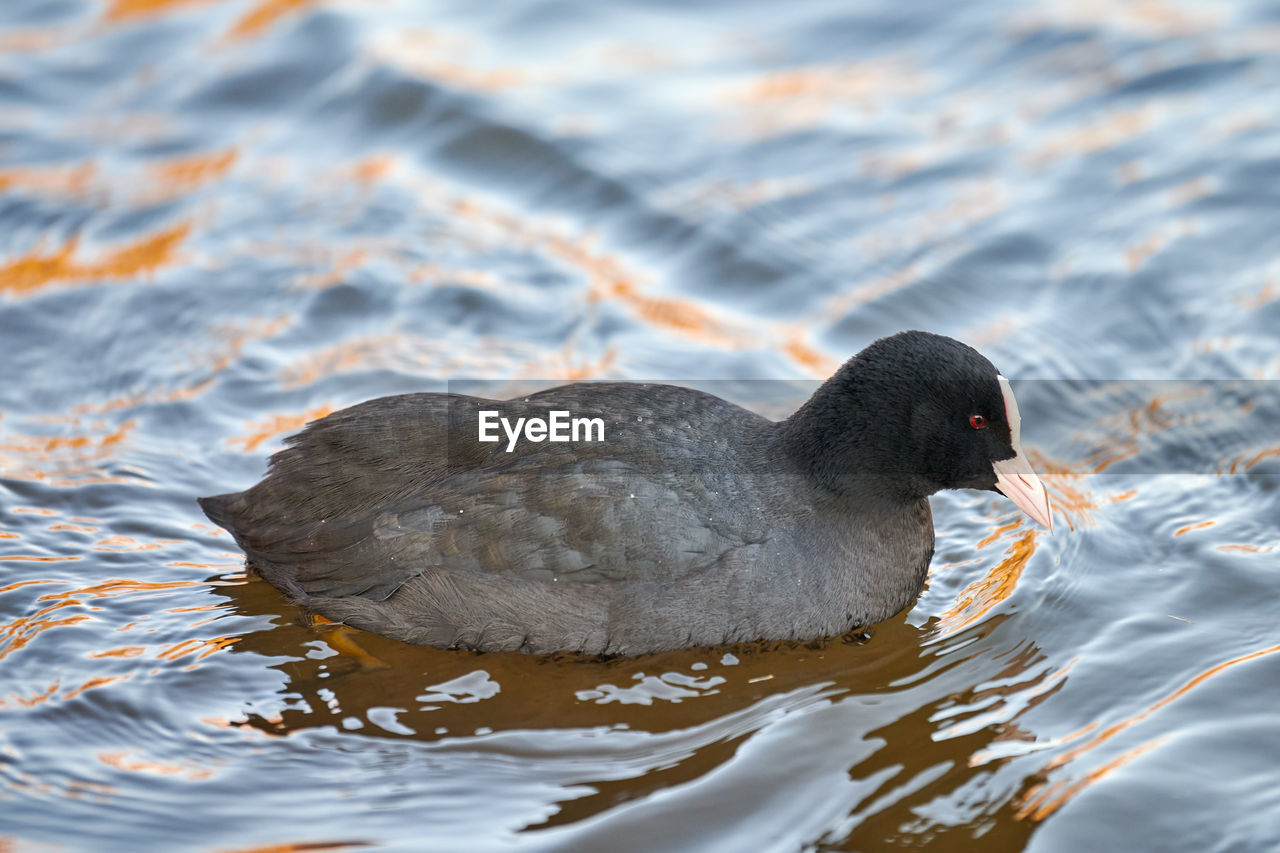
(220,220)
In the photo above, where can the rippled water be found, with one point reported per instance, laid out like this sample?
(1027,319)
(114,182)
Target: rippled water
(220,220)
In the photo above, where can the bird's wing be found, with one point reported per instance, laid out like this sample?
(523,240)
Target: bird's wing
(363,500)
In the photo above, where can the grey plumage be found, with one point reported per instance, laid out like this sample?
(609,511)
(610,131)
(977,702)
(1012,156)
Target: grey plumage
(695,522)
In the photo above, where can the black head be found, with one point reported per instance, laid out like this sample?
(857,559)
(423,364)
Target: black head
(911,414)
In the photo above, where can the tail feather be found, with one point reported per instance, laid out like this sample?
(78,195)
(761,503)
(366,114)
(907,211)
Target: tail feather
(218,508)
(227,511)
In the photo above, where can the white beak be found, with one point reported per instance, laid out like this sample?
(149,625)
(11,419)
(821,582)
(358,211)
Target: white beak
(1014,477)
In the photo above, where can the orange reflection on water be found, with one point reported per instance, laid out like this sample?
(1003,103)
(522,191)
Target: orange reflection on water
(119,586)
(1042,800)
(448,59)
(30,701)
(372,169)
(896,163)
(1248,549)
(121,761)
(95,682)
(64,459)
(132,400)
(128,543)
(610,280)
(52,694)
(1136,255)
(268,429)
(673,314)
(20,584)
(1246,464)
(62,468)
(808,357)
(201,648)
(1148,18)
(979,597)
(799,97)
(336,271)
(1099,134)
(707,197)
(230,578)
(1199,525)
(998,532)
(124,9)
(1267,294)
(71,180)
(870,291)
(38,268)
(971,203)
(30,41)
(188,172)
(435,356)
(1191,190)
(74,528)
(392,351)
(228,342)
(266,13)
(1070,500)
(200,608)
(567,366)
(21,781)
(122,652)
(1046,802)
(1125,430)
(23,629)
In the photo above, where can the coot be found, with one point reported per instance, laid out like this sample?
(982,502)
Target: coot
(689,522)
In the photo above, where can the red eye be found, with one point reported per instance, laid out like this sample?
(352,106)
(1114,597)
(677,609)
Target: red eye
(977,421)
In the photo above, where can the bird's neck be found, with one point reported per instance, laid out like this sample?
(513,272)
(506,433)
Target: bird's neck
(853,437)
